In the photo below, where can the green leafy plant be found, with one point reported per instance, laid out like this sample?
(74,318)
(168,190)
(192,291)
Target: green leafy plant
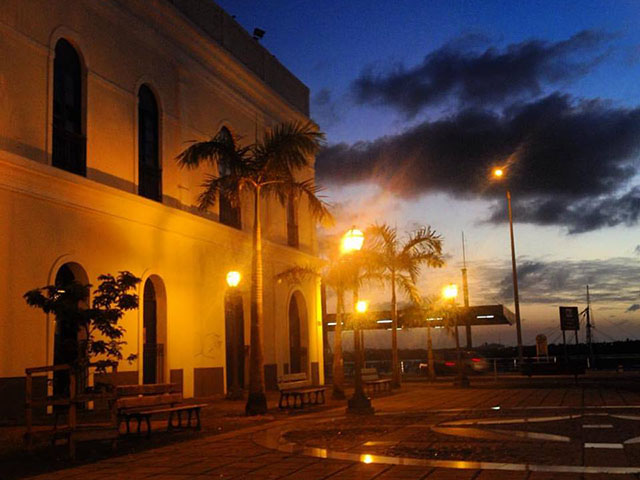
(99,335)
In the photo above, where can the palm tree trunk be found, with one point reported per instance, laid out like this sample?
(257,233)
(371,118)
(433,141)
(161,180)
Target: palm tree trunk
(395,365)
(430,359)
(338,367)
(257,400)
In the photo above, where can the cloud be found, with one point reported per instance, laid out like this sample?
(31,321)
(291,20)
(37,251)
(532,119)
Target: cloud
(633,308)
(324,108)
(569,160)
(637,250)
(611,281)
(460,72)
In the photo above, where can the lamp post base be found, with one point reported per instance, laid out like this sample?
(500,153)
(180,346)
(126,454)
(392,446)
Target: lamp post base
(360,404)
(462,382)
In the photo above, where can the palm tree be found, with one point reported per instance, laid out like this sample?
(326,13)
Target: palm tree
(399,263)
(264,169)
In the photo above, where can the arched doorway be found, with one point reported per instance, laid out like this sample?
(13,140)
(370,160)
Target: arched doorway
(234,343)
(298,334)
(65,340)
(153,330)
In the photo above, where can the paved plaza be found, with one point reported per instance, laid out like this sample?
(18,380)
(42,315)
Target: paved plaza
(517,429)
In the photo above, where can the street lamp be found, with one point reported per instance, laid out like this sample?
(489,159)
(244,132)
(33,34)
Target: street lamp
(498,173)
(352,241)
(359,403)
(233,280)
(450,293)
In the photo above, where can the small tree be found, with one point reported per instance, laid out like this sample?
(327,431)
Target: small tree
(97,330)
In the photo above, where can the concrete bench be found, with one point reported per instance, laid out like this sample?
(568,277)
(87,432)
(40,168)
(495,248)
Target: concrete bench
(372,381)
(140,402)
(298,387)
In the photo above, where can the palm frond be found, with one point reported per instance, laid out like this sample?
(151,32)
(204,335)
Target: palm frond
(423,239)
(289,146)
(408,286)
(318,207)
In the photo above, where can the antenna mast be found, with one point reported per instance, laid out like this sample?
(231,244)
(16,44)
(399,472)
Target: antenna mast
(589,333)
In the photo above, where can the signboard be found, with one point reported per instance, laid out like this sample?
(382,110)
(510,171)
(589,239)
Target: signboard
(569,319)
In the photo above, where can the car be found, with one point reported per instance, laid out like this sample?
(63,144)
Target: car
(445,363)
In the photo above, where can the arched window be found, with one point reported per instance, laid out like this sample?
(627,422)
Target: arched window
(69,142)
(229,215)
(298,334)
(149,172)
(154,331)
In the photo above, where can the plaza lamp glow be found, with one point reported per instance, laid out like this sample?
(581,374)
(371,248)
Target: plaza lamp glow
(352,241)
(233,278)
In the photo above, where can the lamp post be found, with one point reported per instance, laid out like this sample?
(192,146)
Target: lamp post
(233,280)
(450,292)
(351,241)
(359,403)
(498,173)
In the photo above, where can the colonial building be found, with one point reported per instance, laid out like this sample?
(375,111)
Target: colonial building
(97,98)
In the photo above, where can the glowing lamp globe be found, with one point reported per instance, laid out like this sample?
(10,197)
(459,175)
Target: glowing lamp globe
(233,278)
(498,172)
(362,306)
(352,241)
(450,291)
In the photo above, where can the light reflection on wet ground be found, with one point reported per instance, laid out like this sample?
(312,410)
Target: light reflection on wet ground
(417,439)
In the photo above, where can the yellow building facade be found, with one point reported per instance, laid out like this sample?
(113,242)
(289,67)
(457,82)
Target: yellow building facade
(97,98)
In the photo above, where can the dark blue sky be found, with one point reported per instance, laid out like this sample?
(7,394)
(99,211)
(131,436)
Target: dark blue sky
(327,44)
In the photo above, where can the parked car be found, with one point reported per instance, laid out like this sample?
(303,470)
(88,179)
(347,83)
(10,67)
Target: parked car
(445,363)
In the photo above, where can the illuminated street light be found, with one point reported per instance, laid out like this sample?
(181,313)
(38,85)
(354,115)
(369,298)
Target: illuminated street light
(498,174)
(352,241)
(362,306)
(450,292)
(233,278)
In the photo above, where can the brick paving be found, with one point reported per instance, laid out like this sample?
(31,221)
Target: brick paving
(236,454)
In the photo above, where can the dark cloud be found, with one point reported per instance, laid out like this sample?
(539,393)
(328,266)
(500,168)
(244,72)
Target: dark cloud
(612,281)
(569,160)
(579,216)
(633,308)
(461,73)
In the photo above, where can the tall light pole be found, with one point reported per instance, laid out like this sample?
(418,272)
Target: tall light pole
(450,292)
(351,243)
(359,403)
(233,280)
(498,173)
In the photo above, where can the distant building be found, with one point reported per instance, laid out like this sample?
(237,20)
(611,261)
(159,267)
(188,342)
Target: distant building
(97,98)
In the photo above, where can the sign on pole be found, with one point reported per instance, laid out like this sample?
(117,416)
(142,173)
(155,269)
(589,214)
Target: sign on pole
(569,319)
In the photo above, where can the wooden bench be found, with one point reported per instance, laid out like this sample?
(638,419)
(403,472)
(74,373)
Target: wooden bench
(140,402)
(372,381)
(297,385)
